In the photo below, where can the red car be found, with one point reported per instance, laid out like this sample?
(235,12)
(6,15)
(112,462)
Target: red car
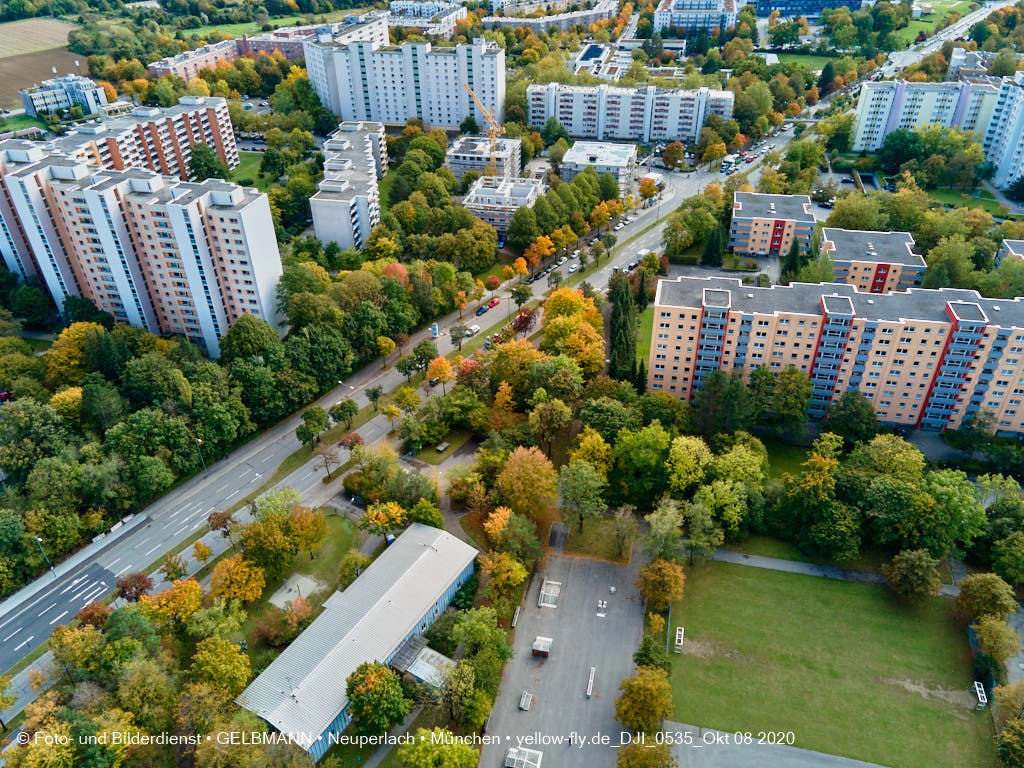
(493,303)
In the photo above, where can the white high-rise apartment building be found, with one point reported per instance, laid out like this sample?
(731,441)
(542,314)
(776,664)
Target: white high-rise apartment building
(346,206)
(156,252)
(1004,137)
(646,114)
(696,14)
(390,84)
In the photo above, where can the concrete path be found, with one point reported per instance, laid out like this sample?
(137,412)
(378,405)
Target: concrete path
(709,748)
(21,683)
(812,569)
(1014,208)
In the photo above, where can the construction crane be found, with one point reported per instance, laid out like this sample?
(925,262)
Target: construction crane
(493,131)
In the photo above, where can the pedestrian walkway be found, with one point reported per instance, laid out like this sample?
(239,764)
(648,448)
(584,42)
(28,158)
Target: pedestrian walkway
(821,571)
(21,684)
(1014,208)
(709,748)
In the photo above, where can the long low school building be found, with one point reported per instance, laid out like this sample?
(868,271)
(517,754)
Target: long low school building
(302,693)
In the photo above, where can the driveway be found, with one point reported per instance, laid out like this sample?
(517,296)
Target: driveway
(561,713)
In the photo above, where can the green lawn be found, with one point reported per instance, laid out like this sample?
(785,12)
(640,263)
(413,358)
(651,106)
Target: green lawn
(19,122)
(766,546)
(597,539)
(927,22)
(783,458)
(249,168)
(643,344)
(808,60)
(960,200)
(384,185)
(456,438)
(843,666)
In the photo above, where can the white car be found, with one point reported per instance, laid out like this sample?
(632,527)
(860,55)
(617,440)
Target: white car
(573,268)
(473,330)
(618,226)
(562,260)
(575,254)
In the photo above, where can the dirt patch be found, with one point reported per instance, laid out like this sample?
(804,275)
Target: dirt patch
(962,701)
(709,649)
(23,70)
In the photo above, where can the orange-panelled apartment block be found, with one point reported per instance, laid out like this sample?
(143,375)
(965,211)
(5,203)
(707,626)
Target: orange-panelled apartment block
(877,262)
(154,251)
(157,138)
(926,358)
(765,225)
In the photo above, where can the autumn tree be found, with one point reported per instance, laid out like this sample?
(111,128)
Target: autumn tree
(7,697)
(625,528)
(221,663)
(308,528)
(237,578)
(380,519)
(528,482)
(222,521)
(376,699)
(496,523)
(504,572)
(172,567)
(436,749)
(985,594)
(458,688)
(548,419)
(132,586)
(661,583)
(173,605)
(637,755)
(440,369)
(645,700)
(267,543)
(201,552)
(996,638)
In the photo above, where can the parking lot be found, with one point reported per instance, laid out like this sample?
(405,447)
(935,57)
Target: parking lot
(581,640)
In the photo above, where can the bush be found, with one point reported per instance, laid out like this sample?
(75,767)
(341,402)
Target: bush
(466,594)
(245,182)
(439,634)
(351,565)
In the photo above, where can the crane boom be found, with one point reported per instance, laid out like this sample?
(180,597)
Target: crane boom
(493,131)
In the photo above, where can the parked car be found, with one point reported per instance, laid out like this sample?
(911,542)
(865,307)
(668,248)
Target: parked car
(493,303)
(575,254)
(482,310)
(562,260)
(573,268)
(473,330)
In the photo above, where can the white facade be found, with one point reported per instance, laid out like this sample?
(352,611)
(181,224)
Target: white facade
(1004,136)
(495,200)
(346,206)
(638,114)
(156,252)
(696,14)
(605,9)
(889,105)
(390,84)
(63,93)
(431,18)
(473,153)
(617,159)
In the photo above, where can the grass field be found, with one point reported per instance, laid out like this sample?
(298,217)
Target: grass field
(842,665)
(251,27)
(807,59)
(31,35)
(19,122)
(456,438)
(960,200)
(597,539)
(926,23)
(783,458)
(249,168)
(643,344)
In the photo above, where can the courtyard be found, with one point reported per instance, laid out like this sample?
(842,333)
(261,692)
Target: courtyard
(845,667)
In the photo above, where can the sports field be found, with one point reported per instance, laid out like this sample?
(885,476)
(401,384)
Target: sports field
(845,667)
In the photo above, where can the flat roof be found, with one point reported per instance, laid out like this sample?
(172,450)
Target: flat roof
(303,689)
(600,153)
(885,247)
(921,304)
(481,146)
(1014,246)
(756,205)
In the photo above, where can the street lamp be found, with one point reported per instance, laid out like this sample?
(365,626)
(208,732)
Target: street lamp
(199,448)
(39,543)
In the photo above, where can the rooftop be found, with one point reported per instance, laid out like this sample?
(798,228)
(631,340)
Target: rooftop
(1014,246)
(349,168)
(751,205)
(481,146)
(303,689)
(496,190)
(921,304)
(884,247)
(600,153)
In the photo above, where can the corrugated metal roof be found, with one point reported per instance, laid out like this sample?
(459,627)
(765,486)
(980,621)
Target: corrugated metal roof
(303,689)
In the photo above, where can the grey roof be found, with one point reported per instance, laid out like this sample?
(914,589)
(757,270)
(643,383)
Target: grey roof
(887,247)
(755,205)
(600,153)
(303,689)
(806,298)
(1014,246)
(480,146)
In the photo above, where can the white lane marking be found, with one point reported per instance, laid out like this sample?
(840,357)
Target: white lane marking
(25,642)
(152,550)
(54,621)
(12,634)
(180,530)
(46,610)
(94,594)
(127,567)
(233,493)
(72,584)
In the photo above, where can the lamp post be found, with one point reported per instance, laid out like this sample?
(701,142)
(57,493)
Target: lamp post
(39,543)
(199,449)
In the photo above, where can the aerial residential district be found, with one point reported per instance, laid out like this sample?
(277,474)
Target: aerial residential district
(511,383)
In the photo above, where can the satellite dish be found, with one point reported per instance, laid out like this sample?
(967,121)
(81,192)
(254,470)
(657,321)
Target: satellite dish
(54,70)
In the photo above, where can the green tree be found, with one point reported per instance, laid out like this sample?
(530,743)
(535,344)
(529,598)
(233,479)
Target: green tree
(1008,558)
(663,540)
(344,411)
(581,487)
(721,404)
(374,394)
(645,700)
(853,418)
(458,688)
(703,534)
(249,338)
(478,629)
(651,653)
(639,473)
(637,755)
(688,460)
(314,422)
(996,638)
(205,163)
(376,699)
(436,749)
(549,419)
(913,575)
